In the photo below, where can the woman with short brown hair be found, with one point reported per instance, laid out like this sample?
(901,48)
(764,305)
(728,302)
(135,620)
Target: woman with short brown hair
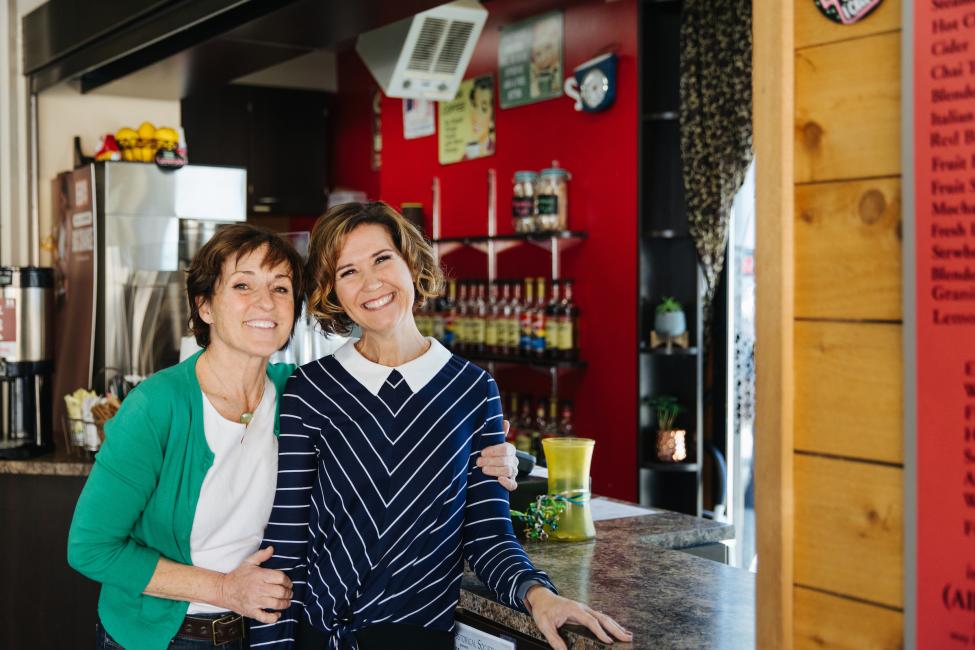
(172,515)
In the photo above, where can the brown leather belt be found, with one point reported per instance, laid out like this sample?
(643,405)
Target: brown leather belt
(216,630)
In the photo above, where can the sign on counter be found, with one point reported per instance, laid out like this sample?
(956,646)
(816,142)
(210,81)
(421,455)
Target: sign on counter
(939,321)
(469,638)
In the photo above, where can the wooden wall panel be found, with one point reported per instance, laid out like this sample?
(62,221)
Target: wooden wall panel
(849,388)
(827,621)
(847,372)
(848,250)
(813,28)
(848,531)
(773,115)
(848,109)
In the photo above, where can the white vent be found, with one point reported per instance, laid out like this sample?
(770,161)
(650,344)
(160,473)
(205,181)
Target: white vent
(426,56)
(453,48)
(421,59)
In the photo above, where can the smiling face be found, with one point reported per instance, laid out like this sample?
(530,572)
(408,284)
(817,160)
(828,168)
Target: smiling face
(481,113)
(373,282)
(546,37)
(252,307)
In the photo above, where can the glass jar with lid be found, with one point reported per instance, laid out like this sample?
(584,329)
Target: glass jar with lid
(523,208)
(553,198)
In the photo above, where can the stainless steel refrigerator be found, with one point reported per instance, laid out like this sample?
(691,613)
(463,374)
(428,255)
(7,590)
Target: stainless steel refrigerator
(125,235)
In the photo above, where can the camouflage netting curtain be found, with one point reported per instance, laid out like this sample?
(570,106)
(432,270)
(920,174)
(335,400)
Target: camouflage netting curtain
(716,124)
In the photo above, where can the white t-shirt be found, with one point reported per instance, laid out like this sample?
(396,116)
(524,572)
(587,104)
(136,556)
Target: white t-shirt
(238,490)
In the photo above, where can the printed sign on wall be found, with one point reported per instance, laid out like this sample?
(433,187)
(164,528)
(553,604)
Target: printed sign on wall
(465,129)
(418,118)
(530,60)
(942,132)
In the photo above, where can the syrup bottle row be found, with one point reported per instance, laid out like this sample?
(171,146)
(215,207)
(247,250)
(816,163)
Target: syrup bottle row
(501,319)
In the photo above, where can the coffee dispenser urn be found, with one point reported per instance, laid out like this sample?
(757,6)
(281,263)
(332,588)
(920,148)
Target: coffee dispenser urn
(26,307)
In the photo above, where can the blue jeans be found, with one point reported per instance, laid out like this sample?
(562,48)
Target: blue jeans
(104,641)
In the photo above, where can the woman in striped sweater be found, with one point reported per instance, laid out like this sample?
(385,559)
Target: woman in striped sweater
(379,498)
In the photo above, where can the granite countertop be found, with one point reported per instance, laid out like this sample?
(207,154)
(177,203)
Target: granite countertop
(667,598)
(56,463)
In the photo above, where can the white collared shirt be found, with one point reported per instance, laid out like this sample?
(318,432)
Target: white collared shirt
(417,372)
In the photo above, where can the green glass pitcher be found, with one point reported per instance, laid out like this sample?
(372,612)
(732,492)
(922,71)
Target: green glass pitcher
(569,460)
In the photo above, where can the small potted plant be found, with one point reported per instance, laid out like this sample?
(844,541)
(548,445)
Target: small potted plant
(669,320)
(671,443)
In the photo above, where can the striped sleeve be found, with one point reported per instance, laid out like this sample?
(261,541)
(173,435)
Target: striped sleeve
(288,528)
(490,546)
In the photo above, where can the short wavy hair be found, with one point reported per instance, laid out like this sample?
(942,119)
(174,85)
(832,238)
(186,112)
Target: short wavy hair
(238,240)
(328,237)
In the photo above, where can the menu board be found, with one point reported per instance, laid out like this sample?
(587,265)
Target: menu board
(941,329)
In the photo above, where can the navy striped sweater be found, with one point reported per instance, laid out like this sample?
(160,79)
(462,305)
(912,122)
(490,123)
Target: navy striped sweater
(377,508)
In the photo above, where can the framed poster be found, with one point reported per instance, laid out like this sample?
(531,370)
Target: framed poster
(530,60)
(418,118)
(465,128)
(938,225)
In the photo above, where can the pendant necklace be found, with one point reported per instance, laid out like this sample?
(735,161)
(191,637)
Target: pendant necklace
(247,415)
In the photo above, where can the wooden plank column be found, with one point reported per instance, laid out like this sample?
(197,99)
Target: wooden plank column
(772,116)
(848,454)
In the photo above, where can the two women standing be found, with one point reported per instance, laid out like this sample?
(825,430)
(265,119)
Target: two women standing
(383,476)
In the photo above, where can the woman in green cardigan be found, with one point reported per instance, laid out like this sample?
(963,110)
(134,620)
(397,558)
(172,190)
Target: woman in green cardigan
(173,513)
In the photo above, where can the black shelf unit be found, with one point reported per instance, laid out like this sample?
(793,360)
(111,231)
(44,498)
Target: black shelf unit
(668,266)
(670,352)
(662,115)
(669,467)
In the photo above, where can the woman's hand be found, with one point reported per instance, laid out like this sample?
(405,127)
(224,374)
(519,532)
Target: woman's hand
(551,611)
(249,589)
(500,461)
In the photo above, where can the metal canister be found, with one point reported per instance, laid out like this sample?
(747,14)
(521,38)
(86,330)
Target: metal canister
(26,308)
(26,360)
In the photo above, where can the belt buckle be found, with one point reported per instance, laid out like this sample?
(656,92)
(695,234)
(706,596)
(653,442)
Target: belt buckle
(223,620)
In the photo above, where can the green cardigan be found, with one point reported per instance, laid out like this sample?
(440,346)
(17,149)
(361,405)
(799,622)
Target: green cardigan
(139,501)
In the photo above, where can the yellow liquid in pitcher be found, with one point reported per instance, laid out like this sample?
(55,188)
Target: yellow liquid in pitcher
(569,460)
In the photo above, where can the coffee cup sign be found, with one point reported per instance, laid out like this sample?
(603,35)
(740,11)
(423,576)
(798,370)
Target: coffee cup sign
(847,12)
(593,84)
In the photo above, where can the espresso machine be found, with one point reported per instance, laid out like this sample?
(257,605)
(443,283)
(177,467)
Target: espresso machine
(26,360)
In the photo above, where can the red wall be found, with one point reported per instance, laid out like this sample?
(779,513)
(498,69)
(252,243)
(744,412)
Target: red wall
(600,150)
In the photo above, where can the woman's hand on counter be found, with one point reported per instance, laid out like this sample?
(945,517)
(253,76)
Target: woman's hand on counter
(552,611)
(249,589)
(500,461)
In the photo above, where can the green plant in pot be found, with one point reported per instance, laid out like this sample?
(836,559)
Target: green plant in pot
(671,446)
(669,319)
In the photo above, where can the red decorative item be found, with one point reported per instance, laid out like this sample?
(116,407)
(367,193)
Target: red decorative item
(846,12)
(110,149)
